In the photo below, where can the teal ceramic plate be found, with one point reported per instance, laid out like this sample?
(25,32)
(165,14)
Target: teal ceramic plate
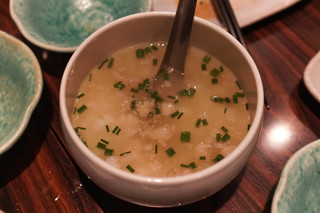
(20,88)
(298,189)
(61,25)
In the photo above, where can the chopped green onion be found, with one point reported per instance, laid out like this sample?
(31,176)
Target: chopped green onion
(188,92)
(90,77)
(157,109)
(154,62)
(218,137)
(203,67)
(104,141)
(119,85)
(80,95)
(241,95)
(206,59)
(156,149)
(166,76)
(225,138)
(153,47)
(238,84)
(115,129)
(169,96)
(198,122)
(108,152)
(110,64)
(180,115)
(85,143)
(77,129)
(203,158)
(204,122)
(218,158)
(227,100)
(133,104)
(125,153)
(74,110)
(184,165)
(215,72)
(170,152)
(225,110)
(130,169)
(185,136)
(173,115)
(235,99)
(249,125)
(102,63)
(176,101)
(223,128)
(117,133)
(192,165)
(107,127)
(221,68)
(140,53)
(147,50)
(247,106)
(82,109)
(134,90)
(101,145)
(214,81)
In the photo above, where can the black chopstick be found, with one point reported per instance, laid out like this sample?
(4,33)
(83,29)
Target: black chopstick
(227,17)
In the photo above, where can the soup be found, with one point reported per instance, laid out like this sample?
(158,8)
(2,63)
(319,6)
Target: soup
(182,126)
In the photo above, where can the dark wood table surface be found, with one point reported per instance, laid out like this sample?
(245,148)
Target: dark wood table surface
(38,175)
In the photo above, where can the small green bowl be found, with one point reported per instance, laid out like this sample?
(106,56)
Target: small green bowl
(20,88)
(62,25)
(298,189)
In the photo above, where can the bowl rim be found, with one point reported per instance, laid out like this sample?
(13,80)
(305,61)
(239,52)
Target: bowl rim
(164,181)
(286,170)
(42,44)
(38,90)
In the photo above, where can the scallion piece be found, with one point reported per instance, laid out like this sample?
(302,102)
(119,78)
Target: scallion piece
(247,106)
(235,99)
(249,125)
(90,77)
(156,149)
(110,64)
(140,53)
(118,131)
(101,145)
(206,59)
(119,85)
(214,81)
(225,110)
(179,116)
(107,127)
(240,94)
(218,137)
(184,165)
(77,129)
(188,92)
(221,68)
(133,104)
(104,141)
(153,47)
(125,153)
(74,110)
(227,100)
(185,136)
(198,122)
(170,152)
(115,129)
(202,158)
(170,96)
(225,138)
(239,85)
(147,50)
(80,95)
(157,109)
(218,158)
(102,63)
(108,152)
(204,122)
(192,165)
(154,62)
(130,169)
(223,128)
(166,76)
(203,67)
(134,90)
(82,109)
(215,72)
(173,115)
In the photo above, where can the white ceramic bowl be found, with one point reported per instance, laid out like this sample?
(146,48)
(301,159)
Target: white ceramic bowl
(150,191)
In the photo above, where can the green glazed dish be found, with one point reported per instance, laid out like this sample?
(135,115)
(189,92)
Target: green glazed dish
(20,88)
(298,189)
(61,25)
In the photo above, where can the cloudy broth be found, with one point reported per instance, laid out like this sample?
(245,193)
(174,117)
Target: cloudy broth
(164,131)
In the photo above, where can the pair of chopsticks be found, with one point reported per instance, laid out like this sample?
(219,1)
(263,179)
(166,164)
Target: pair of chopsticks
(227,18)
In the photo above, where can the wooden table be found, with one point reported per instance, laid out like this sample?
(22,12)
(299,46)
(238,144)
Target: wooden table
(38,175)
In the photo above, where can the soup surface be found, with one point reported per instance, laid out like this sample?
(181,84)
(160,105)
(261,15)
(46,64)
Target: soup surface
(178,127)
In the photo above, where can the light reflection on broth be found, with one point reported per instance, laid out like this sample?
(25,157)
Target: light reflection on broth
(160,133)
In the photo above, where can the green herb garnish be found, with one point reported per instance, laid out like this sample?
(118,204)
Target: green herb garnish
(173,115)
(188,92)
(185,136)
(101,145)
(130,169)
(110,64)
(206,59)
(238,84)
(215,72)
(80,95)
(119,85)
(102,63)
(235,99)
(82,109)
(170,152)
(218,158)
(140,53)
(202,158)
(154,62)
(225,138)
(108,152)
(125,153)
(203,67)
(104,141)
(214,81)
(156,149)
